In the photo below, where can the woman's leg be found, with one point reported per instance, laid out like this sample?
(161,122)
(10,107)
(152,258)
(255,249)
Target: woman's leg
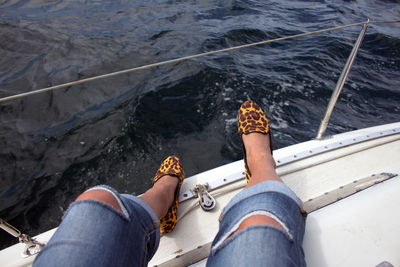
(263,224)
(104,228)
(262,164)
(159,197)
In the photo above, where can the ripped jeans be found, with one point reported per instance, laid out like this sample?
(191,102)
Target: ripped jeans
(95,234)
(260,245)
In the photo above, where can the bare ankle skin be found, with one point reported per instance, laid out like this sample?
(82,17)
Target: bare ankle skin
(259,158)
(262,166)
(161,195)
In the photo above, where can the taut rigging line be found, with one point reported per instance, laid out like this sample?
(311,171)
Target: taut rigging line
(51,88)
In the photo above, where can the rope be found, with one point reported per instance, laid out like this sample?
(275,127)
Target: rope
(51,88)
(384,21)
(229,188)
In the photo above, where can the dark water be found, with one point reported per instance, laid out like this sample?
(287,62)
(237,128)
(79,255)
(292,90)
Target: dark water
(117,131)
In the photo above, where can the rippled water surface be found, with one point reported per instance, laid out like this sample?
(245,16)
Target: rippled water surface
(116,131)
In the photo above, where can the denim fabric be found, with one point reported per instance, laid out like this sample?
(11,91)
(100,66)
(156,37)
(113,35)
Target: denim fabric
(95,234)
(260,245)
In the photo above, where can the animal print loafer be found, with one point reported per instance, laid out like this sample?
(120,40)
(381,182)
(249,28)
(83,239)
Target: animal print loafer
(170,166)
(251,119)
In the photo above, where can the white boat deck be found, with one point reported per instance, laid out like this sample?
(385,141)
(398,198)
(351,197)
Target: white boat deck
(311,178)
(360,230)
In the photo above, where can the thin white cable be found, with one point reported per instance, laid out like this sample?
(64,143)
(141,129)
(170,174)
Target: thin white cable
(13,97)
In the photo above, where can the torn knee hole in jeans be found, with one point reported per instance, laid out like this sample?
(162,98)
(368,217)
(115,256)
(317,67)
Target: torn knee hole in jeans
(234,229)
(120,204)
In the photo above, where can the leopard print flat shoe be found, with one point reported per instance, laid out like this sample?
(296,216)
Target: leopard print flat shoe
(170,166)
(251,119)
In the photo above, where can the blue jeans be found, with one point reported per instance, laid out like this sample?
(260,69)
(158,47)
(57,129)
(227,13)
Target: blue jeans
(260,245)
(95,234)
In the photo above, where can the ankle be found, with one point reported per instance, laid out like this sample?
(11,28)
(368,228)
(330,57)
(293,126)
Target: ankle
(259,159)
(166,186)
(161,196)
(257,143)
(166,182)
(258,154)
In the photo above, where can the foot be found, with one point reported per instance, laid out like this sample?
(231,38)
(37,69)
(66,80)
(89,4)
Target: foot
(251,119)
(256,144)
(254,128)
(171,167)
(259,158)
(166,187)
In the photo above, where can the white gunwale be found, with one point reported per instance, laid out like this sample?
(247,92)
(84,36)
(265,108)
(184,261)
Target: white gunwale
(309,178)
